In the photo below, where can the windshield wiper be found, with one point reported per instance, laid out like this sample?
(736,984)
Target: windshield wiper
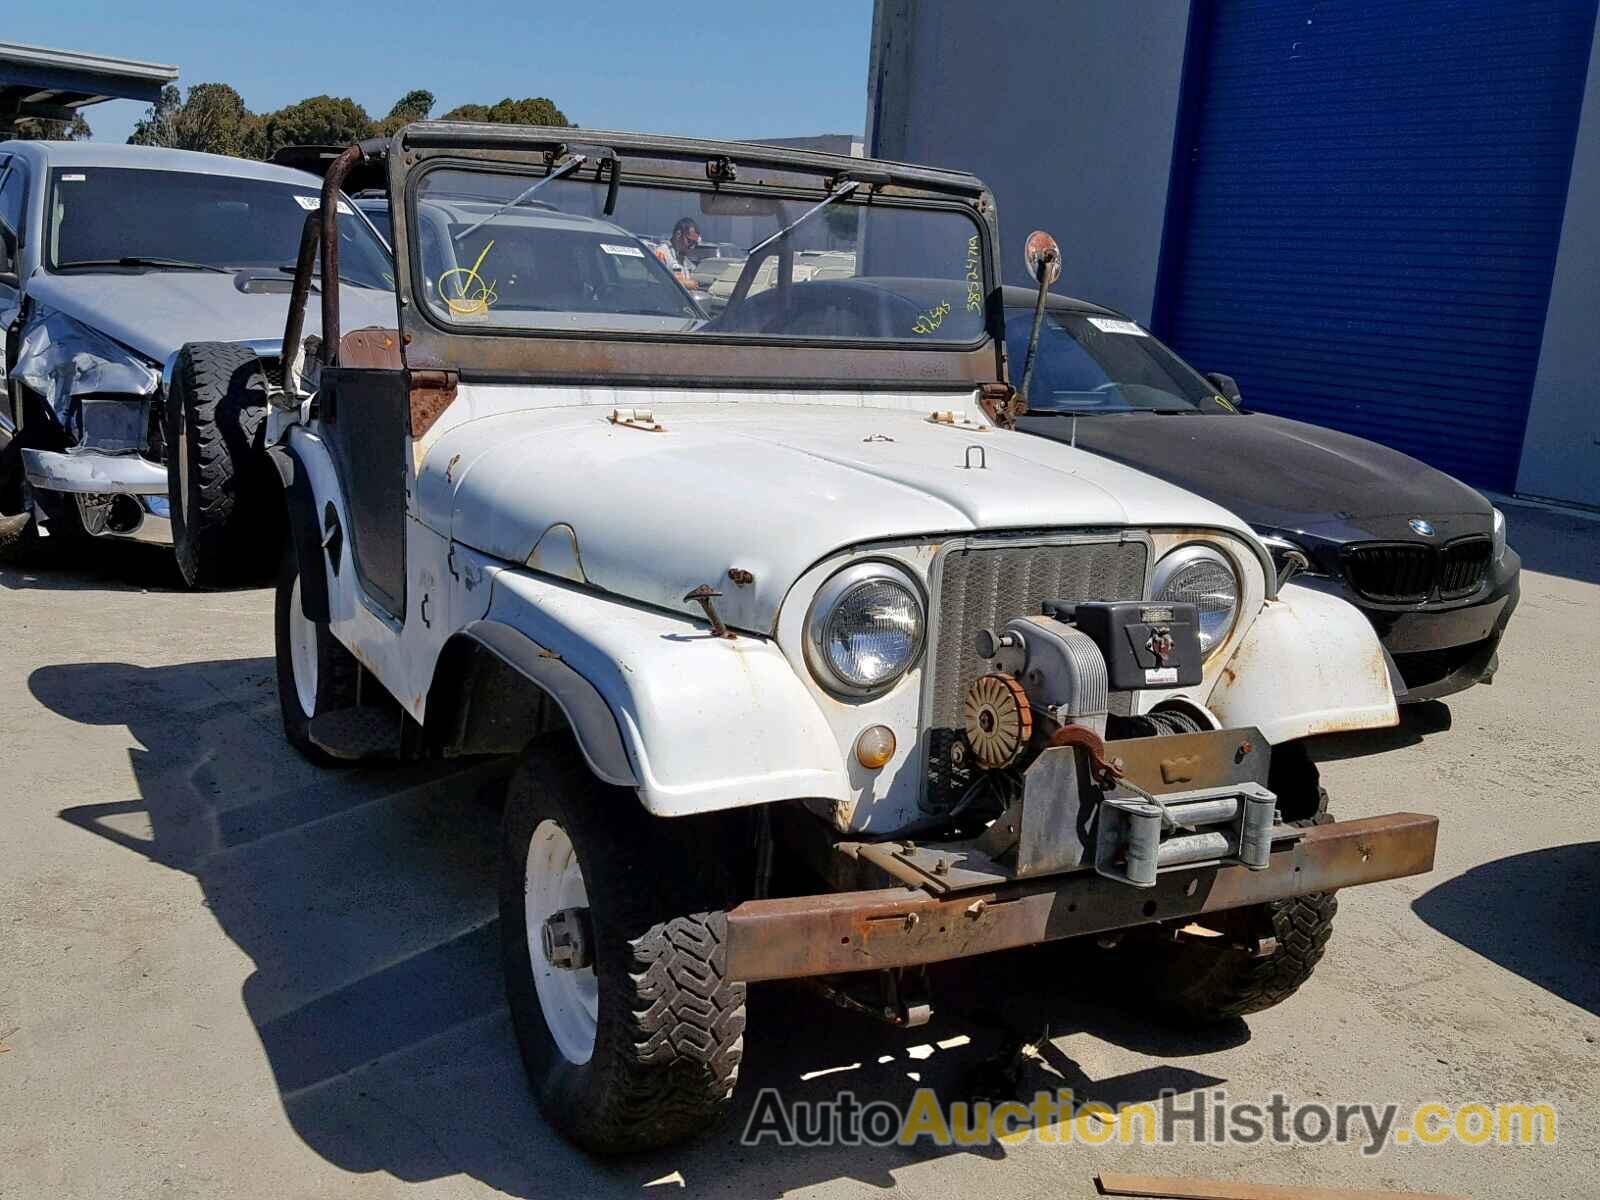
(134,260)
(316,279)
(566,168)
(838,193)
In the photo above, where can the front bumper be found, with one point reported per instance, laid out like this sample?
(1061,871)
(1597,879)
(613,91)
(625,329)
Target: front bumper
(135,487)
(1440,649)
(903,927)
(88,472)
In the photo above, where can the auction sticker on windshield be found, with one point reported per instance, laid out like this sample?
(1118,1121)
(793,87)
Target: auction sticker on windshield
(622,251)
(1107,325)
(312,203)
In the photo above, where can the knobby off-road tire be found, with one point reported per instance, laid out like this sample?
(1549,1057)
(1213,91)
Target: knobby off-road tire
(226,512)
(1191,983)
(668,1025)
(316,674)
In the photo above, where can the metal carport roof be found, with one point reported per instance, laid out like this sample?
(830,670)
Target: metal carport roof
(36,81)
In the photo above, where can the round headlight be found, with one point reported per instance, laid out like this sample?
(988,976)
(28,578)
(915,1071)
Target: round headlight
(1203,577)
(865,629)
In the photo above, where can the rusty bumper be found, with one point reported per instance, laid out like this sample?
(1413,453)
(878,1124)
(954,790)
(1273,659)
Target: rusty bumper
(901,926)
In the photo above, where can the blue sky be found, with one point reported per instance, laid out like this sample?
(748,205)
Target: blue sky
(741,70)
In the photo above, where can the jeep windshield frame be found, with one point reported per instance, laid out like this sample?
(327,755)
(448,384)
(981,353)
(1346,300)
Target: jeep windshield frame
(733,174)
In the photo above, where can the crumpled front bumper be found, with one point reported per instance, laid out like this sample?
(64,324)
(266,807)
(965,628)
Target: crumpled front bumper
(88,472)
(140,515)
(903,926)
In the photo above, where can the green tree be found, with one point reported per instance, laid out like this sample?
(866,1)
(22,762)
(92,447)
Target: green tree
(214,119)
(155,128)
(316,121)
(37,129)
(535,110)
(415,105)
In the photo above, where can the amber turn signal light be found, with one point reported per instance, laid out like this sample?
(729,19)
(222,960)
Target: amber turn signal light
(875,746)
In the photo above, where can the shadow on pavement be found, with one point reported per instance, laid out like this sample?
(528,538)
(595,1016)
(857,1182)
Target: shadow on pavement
(1532,914)
(1555,542)
(99,564)
(1418,722)
(366,901)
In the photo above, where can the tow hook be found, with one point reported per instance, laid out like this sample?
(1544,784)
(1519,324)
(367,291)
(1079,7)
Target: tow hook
(567,938)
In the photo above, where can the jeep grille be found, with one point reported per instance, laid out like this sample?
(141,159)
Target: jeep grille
(983,587)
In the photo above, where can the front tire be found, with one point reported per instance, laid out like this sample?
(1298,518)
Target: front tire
(1194,981)
(641,1047)
(222,509)
(1191,984)
(316,674)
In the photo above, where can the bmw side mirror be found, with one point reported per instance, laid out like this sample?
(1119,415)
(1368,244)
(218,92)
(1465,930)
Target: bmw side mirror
(1225,385)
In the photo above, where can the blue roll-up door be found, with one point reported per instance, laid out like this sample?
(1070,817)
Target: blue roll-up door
(1366,203)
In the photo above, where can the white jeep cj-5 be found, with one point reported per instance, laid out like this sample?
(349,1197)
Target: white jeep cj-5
(814,668)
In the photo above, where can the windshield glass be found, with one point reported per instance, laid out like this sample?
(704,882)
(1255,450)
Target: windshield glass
(178,220)
(554,262)
(1096,364)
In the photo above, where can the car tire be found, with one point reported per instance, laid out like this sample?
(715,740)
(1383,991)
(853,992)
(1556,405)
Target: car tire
(316,674)
(640,1049)
(1189,982)
(224,508)
(21,537)
(1192,985)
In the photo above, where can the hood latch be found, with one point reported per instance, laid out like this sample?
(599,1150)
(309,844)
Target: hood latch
(703,596)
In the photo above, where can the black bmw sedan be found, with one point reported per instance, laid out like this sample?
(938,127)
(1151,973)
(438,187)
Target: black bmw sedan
(1420,553)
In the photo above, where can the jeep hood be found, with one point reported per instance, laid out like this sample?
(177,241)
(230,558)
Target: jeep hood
(155,313)
(769,488)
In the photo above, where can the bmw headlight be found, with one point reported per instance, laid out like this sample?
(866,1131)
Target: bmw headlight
(1206,578)
(1499,535)
(865,629)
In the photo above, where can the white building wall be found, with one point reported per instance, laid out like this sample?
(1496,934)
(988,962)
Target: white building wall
(1561,450)
(1066,110)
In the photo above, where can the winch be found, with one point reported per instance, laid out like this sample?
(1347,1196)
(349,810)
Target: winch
(1036,731)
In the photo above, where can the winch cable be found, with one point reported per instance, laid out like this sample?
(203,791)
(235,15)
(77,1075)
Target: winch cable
(1108,773)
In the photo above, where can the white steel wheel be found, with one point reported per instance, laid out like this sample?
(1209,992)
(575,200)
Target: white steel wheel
(302,653)
(316,675)
(569,998)
(183,473)
(641,1048)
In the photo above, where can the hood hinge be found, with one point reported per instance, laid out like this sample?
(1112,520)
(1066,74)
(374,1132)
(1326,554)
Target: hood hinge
(1001,404)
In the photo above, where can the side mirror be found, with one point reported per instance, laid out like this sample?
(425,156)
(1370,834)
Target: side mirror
(1225,385)
(1043,257)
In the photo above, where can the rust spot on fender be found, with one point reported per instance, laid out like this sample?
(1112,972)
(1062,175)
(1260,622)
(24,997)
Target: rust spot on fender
(431,392)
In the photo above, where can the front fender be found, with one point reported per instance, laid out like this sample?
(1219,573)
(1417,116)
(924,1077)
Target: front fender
(707,723)
(305,535)
(1311,663)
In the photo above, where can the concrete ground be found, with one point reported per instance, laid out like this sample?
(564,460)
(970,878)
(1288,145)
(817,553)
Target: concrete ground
(225,973)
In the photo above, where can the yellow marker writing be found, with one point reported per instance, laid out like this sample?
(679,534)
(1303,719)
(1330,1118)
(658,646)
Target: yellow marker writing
(466,302)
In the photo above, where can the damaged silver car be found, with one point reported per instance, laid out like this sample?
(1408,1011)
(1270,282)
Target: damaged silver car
(143,294)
